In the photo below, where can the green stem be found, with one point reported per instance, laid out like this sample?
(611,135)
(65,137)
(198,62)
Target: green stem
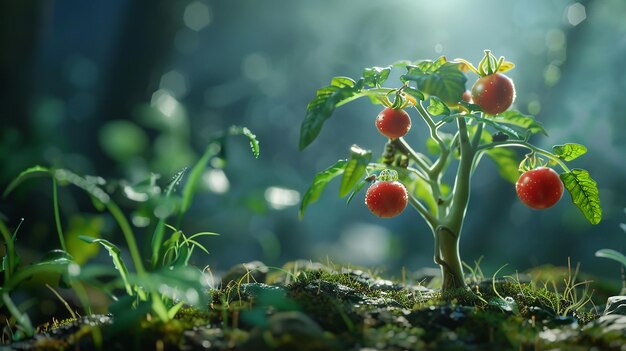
(431,125)
(519,143)
(450,260)
(10,254)
(461,189)
(128,235)
(57,216)
(421,160)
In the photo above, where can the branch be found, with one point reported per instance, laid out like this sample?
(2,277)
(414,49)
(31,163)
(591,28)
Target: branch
(524,144)
(420,159)
(461,189)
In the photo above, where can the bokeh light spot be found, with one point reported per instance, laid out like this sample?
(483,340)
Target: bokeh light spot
(255,67)
(279,198)
(197,16)
(216,181)
(576,13)
(174,82)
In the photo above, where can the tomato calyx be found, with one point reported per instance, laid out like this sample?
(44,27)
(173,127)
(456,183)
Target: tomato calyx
(532,161)
(487,66)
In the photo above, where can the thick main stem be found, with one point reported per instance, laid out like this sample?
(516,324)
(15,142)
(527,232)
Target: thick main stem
(449,233)
(450,260)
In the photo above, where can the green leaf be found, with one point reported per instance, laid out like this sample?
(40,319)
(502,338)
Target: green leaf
(507,162)
(116,256)
(498,126)
(524,121)
(323,105)
(375,76)
(439,78)
(414,93)
(355,169)
(89,185)
(254,143)
(159,230)
(437,107)
(570,151)
(319,183)
(613,255)
(584,192)
(189,190)
(33,172)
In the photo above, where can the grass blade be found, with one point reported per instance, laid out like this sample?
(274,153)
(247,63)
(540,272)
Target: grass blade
(115,254)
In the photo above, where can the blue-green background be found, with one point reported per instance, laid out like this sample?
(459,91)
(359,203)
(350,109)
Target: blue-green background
(124,88)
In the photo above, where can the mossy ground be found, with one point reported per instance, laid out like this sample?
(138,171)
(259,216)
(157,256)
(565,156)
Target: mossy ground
(334,308)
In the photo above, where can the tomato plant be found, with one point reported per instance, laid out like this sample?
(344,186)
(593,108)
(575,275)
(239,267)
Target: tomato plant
(539,188)
(461,132)
(393,123)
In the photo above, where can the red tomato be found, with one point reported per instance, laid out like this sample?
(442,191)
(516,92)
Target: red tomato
(386,199)
(393,123)
(493,93)
(539,188)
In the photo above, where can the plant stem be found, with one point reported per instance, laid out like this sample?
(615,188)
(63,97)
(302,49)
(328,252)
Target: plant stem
(520,143)
(448,235)
(10,254)
(57,216)
(420,159)
(128,235)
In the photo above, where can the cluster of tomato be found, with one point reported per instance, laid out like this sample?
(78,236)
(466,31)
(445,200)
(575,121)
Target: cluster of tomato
(538,188)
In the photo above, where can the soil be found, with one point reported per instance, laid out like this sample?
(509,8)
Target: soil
(310,306)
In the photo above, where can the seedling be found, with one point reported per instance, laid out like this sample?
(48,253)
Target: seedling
(463,127)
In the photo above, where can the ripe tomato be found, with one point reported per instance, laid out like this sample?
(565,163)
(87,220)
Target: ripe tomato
(393,123)
(539,188)
(386,199)
(493,93)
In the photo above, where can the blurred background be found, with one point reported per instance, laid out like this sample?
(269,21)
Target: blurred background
(124,89)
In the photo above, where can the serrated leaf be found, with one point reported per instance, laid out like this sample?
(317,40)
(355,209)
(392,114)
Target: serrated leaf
(375,76)
(116,256)
(613,255)
(323,105)
(319,183)
(570,151)
(354,170)
(254,143)
(437,107)
(442,79)
(36,171)
(507,162)
(524,121)
(584,192)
